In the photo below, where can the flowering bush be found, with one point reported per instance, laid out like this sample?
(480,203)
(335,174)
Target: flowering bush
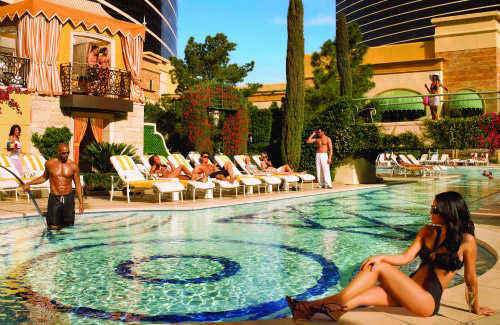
(199,126)
(490,125)
(5,98)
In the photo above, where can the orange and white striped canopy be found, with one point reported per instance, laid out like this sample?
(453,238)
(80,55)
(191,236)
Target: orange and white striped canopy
(77,17)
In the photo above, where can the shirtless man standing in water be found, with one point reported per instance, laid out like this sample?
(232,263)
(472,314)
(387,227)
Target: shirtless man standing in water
(324,153)
(60,172)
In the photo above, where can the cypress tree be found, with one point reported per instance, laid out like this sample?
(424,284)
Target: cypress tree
(293,119)
(343,56)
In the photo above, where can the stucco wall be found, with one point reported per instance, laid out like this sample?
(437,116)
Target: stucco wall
(8,117)
(414,81)
(129,128)
(46,112)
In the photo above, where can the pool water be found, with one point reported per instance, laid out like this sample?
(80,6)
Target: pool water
(230,263)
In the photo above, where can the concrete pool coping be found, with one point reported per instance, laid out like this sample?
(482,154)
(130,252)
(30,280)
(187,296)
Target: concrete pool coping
(453,306)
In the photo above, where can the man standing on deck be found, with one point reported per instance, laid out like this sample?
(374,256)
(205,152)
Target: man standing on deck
(324,153)
(61,172)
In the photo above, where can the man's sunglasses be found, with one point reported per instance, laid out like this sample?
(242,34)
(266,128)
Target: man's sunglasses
(64,152)
(204,156)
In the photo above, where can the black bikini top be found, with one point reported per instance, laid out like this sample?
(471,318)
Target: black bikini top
(447,261)
(435,87)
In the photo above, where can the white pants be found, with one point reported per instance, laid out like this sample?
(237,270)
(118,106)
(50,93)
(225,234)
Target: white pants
(323,169)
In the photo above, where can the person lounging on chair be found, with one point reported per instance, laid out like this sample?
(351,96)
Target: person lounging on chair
(167,169)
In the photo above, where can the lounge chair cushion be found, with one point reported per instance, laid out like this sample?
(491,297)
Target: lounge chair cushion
(166,187)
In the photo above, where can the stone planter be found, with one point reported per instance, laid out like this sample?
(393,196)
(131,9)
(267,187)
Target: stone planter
(356,171)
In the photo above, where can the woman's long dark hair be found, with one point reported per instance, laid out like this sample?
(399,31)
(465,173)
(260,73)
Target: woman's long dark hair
(152,161)
(13,128)
(452,207)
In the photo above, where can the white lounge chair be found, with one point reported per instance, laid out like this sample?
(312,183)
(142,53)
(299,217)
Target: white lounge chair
(247,181)
(129,173)
(5,161)
(381,162)
(434,159)
(287,179)
(194,156)
(398,169)
(268,179)
(484,161)
(445,160)
(433,169)
(7,182)
(177,160)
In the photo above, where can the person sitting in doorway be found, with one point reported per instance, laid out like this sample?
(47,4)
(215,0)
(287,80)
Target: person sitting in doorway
(168,170)
(206,168)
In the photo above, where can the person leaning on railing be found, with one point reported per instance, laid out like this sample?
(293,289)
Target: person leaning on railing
(434,101)
(92,70)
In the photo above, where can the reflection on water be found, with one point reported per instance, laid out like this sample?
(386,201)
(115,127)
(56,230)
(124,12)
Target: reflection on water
(229,263)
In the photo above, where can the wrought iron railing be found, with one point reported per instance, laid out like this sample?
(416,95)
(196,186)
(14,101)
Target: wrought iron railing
(13,70)
(79,78)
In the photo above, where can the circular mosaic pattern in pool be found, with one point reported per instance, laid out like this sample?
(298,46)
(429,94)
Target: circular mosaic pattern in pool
(229,268)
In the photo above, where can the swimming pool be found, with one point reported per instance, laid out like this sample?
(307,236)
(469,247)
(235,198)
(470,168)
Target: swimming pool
(230,263)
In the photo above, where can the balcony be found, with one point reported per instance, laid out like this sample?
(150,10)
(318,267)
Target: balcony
(85,87)
(13,71)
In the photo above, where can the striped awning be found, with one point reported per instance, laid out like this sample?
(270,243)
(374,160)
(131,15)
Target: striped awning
(77,17)
(400,104)
(467,100)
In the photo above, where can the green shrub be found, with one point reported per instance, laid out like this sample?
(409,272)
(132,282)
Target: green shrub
(350,139)
(101,182)
(48,142)
(453,133)
(261,121)
(99,154)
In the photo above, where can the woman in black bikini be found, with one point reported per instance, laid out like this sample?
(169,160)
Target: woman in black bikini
(444,247)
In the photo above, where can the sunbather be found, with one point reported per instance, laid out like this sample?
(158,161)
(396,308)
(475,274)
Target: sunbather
(407,165)
(206,168)
(169,170)
(251,168)
(267,166)
(444,247)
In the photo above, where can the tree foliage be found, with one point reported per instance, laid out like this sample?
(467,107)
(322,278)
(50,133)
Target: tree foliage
(326,77)
(208,61)
(294,106)
(48,142)
(343,56)
(99,153)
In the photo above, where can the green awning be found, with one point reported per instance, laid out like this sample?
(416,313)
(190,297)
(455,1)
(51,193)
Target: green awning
(401,104)
(467,100)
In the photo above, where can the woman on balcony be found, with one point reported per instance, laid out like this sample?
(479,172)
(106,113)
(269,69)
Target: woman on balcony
(104,63)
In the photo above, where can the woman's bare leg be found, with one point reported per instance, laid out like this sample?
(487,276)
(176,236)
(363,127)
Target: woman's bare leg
(229,167)
(395,289)
(434,112)
(176,173)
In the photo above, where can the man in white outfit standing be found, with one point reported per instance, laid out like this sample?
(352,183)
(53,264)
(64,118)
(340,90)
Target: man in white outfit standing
(324,153)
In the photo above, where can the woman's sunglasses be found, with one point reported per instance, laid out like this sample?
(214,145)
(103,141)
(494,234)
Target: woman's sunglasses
(434,210)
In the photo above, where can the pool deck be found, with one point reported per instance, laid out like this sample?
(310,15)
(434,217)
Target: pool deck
(453,307)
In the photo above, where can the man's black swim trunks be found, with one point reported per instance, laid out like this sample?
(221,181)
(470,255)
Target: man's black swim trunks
(61,210)
(223,172)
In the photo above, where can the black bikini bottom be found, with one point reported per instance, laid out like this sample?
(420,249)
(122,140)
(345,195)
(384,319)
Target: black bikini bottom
(433,286)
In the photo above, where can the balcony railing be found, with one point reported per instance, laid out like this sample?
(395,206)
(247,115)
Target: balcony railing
(13,71)
(81,79)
